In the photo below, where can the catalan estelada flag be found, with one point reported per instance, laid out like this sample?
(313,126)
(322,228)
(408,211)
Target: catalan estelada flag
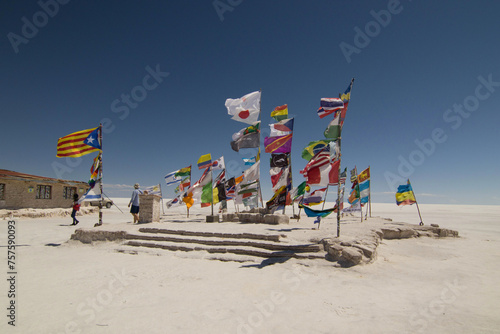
(78,143)
(204,161)
(405,195)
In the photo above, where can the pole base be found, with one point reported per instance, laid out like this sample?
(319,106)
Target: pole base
(213,219)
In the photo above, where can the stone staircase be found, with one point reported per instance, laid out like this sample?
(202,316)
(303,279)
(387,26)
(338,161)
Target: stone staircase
(239,247)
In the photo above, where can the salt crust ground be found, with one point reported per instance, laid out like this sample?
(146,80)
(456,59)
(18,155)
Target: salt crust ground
(421,285)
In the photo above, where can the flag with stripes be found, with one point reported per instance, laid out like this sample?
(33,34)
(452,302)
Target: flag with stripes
(79,143)
(330,106)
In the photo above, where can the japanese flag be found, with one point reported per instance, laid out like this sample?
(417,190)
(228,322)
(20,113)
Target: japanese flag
(245,109)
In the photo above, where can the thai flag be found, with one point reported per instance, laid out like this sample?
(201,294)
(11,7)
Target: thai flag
(330,106)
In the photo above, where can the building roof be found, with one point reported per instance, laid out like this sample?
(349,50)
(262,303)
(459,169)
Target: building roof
(11,175)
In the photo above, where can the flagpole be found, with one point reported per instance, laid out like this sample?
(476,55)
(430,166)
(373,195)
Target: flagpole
(162,204)
(260,118)
(340,162)
(370,192)
(326,194)
(100,177)
(418,209)
(212,187)
(291,181)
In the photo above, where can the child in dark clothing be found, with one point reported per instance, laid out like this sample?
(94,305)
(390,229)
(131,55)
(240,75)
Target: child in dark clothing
(76,207)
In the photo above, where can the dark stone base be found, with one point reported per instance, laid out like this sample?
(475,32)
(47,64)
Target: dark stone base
(213,219)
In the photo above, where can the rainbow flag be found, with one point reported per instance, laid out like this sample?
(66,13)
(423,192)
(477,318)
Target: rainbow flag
(204,161)
(404,195)
(79,143)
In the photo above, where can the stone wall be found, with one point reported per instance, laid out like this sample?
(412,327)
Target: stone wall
(149,208)
(19,194)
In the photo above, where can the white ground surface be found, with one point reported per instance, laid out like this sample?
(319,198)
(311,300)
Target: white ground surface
(419,285)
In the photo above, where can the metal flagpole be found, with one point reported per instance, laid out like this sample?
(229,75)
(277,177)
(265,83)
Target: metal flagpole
(100,177)
(418,209)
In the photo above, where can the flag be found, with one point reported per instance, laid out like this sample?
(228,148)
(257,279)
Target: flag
(298,191)
(249,161)
(278,200)
(364,191)
(280,113)
(204,161)
(314,198)
(279,160)
(177,201)
(177,176)
(251,201)
(329,106)
(206,193)
(280,144)
(245,109)
(230,188)
(248,188)
(364,175)
(279,177)
(94,171)
(313,148)
(405,195)
(356,207)
(79,143)
(153,190)
(218,164)
(185,183)
(92,194)
(354,196)
(219,193)
(317,213)
(346,97)
(327,174)
(354,175)
(282,128)
(95,165)
(252,173)
(254,128)
(250,140)
(333,129)
(343,176)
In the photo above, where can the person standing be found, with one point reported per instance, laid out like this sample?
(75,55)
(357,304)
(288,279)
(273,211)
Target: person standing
(134,202)
(76,208)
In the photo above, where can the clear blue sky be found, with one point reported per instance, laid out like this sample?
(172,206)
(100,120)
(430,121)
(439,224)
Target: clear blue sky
(71,74)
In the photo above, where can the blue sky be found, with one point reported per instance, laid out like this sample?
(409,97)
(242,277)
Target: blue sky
(74,70)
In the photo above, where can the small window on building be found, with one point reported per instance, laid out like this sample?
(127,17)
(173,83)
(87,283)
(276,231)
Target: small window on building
(68,192)
(43,192)
(2,191)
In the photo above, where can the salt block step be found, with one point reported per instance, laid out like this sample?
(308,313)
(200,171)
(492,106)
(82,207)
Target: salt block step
(271,237)
(222,250)
(212,241)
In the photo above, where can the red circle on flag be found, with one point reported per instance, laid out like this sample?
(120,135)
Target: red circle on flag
(243,114)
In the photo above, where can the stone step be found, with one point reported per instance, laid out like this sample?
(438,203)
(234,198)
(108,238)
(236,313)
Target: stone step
(218,241)
(269,237)
(239,250)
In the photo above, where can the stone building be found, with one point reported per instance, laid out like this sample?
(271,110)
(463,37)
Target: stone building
(19,190)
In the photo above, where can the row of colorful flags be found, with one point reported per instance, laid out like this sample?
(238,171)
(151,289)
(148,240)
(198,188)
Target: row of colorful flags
(323,168)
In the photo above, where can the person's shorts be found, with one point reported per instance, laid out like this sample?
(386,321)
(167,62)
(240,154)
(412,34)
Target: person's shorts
(134,209)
